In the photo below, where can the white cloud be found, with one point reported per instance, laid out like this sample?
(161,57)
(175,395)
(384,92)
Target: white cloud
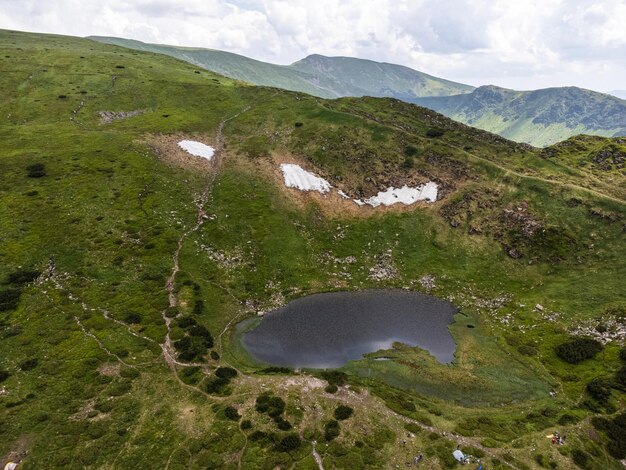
(528,44)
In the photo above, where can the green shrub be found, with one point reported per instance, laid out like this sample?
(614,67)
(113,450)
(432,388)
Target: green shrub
(620,378)
(29,364)
(225,372)
(22,276)
(288,443)
(578,350)
(4,374)
(615,429)
(600,389)
(334,377)
(215,385)
(185,322)
(9,299)
(36,170)
(528,350)
(231,413)
(331,430)
(567,418)
(580,458)
(434,132)
(282,424)
(215,356)
(413,427)
(331,388)
(246,424)
(132,317)
(343,412)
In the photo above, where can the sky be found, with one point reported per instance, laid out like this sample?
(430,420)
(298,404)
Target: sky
(525,44)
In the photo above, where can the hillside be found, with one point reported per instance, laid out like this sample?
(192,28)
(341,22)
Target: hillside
(131,268)
(539,117)
(326,77)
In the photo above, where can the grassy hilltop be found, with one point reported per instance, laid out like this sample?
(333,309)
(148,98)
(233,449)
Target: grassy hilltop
(126,266)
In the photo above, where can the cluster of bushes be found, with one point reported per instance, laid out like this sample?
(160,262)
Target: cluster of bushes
(287,443)
(615,429)
(274,407)
(196,342)
(600,388)
(332,428)
(15,281)
(220,381)
(578,350)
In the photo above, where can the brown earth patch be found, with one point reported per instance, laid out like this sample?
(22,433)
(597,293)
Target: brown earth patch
(193,420)
(331,203)
(110,369)
(165,147)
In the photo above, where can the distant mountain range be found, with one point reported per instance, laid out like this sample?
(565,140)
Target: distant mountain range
(539,117)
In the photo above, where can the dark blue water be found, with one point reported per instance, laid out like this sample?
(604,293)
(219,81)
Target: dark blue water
(330,329)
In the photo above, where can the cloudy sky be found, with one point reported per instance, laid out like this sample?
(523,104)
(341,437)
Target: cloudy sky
(518,44)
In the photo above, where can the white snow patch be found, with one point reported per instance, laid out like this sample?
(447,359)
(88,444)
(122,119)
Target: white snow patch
(197,149)
(405,195)
(342,194)
(296,177)
(359,202)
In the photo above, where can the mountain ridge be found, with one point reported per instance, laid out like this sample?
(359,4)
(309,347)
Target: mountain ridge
(333,77)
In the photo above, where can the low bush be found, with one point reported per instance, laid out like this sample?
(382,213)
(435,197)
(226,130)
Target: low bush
(29,364)
(36,170)
(600,389)
(331,430)
(132,317)
(231,413)
(288,443)
(9,299)
(22,276)
(225,373)
(434,132)
(334,377)
(343,412)
(4,375)
(580,458)
(578,350)
(246,424)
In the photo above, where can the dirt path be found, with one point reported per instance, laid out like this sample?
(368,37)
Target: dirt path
(316,455)
(215,163)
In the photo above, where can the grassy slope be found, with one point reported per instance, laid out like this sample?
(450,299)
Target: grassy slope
(109,214)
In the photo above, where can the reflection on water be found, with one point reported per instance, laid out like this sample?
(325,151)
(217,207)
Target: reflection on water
(330,329)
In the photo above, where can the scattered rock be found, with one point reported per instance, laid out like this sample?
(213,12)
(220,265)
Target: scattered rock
(107,117)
